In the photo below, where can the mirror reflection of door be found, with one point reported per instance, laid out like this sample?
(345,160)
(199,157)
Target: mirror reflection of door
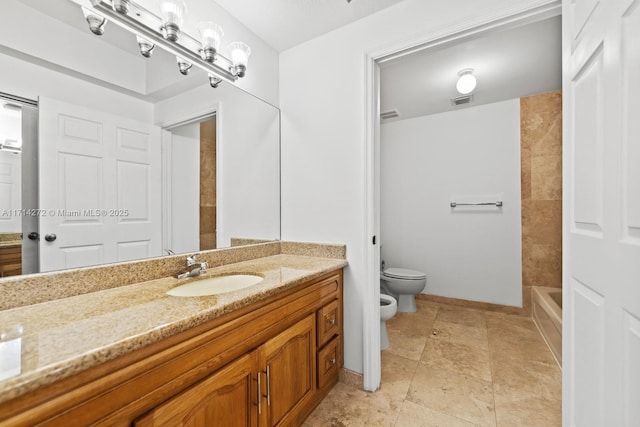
(18,186)
(102,172)
(192,160)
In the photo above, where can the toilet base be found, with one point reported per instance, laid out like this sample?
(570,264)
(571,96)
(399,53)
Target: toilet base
(384,338)
(407,303)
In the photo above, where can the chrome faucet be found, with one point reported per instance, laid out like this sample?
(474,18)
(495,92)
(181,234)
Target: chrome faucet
(200,268)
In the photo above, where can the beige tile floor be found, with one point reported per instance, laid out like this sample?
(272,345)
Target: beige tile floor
(451,366)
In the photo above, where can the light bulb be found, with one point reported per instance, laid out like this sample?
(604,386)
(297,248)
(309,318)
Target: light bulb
(467,82)
(239,53)
(96,22)
(172,12)
(210,36)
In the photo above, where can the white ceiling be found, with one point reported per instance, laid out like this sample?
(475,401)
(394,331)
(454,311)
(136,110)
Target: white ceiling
(508,64)
(287,23)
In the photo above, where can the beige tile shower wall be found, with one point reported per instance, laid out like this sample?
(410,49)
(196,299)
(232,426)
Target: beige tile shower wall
(208,184)
(541,174)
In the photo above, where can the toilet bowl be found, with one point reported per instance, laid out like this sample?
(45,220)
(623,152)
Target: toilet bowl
(388,308)
(404,284)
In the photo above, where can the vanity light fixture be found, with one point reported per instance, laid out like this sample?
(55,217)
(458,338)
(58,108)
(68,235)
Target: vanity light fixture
(152,30)
(146,47)
(239,57)
(210,35)
(121,6)
(183,65)
(96,22)
(214,81)
(11,145)
(173,12)
(466,81)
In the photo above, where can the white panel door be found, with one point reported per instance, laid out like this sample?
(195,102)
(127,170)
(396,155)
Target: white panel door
(100,189)
(601,330)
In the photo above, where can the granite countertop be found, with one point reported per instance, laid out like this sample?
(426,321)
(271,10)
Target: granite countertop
(10,244)
(10,240)
(52,340)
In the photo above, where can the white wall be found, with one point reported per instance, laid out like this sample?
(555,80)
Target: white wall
(322,97)
(185,188)
(34,33)
(472,155)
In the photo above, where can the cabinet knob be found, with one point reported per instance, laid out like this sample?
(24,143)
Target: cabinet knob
(332,321)
(332,360)
(50,237)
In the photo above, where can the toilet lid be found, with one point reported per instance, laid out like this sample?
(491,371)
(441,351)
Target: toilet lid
(404,273)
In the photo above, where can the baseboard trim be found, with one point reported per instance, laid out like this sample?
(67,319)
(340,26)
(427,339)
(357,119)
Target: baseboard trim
(505,309)
(351,378)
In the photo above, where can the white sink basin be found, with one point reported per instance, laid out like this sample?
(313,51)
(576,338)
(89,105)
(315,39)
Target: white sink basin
(215,285)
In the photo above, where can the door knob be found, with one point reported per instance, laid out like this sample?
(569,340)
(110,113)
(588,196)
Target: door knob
(33,236)
(50,237)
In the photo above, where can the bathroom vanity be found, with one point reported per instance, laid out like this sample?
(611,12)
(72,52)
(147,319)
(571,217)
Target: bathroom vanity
(133,355)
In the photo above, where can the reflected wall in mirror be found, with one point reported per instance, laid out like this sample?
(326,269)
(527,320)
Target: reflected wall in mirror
(122,157)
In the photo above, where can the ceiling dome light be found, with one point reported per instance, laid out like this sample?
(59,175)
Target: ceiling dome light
(466,82)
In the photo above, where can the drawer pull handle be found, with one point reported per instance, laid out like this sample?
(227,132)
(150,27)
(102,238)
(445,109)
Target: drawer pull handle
(268,387)
(259,396)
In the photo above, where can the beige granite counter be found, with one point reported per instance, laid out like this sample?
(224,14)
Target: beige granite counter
(10,240)
(58,338)
(11,244)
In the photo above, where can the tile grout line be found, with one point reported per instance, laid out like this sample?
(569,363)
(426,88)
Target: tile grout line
(493,389)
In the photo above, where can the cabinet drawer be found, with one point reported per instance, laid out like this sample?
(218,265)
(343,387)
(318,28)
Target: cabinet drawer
(328,362)
(329,322)
(10,261)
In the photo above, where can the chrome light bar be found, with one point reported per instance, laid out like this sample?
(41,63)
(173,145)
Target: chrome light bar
(142,22)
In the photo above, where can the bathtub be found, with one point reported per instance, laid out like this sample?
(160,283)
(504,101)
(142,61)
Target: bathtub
(547,315)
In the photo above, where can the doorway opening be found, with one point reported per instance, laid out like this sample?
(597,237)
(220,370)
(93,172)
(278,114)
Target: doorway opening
(191,157)
(372,366)
(18,186)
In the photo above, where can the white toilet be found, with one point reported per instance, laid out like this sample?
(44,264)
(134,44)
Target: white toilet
(405,284)
(388,308)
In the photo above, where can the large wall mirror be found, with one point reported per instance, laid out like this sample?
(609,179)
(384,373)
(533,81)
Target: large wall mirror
(107,156)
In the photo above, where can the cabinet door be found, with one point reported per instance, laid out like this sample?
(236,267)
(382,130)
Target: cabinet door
(289,362)
(227,398)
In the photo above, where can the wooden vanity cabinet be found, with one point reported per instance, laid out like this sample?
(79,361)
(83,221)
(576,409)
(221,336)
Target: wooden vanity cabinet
(226,398)
(11,261)
(266,364)
(290,372)
(272,384)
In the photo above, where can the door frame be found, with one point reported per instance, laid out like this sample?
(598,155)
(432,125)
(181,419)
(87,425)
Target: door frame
(466,30)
